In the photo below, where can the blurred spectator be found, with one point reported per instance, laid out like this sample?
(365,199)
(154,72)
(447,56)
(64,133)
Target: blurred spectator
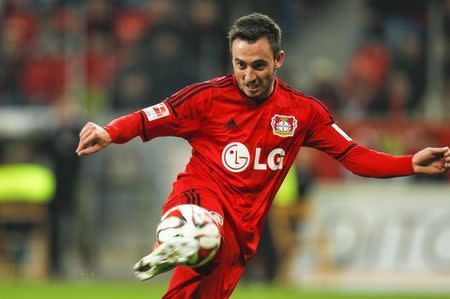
(11,61)
(19,28)
(132,86)
(410,61)
(100,67)
(99,16)
(44,77)
(324,86)
(447,53)
(207,24)
(65,20)
(167,61)
(398,95)
(130,25)
(19,18)
(100,61)
(373,28)
(59,144)
(165,51)
(290,210)
(365,80)
(166,11)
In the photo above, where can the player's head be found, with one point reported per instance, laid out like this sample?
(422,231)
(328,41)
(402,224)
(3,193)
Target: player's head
(255,45)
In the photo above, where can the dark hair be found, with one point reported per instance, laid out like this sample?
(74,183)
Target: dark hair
(254,26)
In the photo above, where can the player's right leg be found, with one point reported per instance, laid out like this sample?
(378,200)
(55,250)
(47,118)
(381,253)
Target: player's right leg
(166,256)
(175,246)
(217,280)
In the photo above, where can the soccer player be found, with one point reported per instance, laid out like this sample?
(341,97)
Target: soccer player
(245,131)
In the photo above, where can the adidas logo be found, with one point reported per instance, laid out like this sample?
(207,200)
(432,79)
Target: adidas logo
(231,124)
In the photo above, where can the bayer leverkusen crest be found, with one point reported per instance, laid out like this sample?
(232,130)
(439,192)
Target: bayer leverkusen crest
(283,125)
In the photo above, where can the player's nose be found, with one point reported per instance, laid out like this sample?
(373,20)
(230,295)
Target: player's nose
(249,76)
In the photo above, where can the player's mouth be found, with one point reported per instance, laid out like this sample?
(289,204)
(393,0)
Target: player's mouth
(252,89)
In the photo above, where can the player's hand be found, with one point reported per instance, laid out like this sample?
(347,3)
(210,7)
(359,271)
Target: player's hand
(432,160)
(93,138)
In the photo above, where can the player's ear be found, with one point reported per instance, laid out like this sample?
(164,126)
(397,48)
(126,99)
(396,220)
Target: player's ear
(279,59)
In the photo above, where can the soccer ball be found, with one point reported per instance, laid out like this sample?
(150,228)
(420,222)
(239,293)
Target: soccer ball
(191,221)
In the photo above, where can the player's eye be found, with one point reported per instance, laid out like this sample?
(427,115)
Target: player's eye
(241,65)
(259,66)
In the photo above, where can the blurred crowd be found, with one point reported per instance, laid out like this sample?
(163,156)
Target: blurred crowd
(114,54)
(387,73)
(125,54)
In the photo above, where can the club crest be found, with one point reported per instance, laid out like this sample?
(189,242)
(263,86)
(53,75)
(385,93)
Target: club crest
(283,125)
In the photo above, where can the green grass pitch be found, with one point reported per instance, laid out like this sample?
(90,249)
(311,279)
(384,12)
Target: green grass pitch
(149,290)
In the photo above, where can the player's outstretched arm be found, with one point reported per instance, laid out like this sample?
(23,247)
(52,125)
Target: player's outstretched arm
(93,138)
(431,160)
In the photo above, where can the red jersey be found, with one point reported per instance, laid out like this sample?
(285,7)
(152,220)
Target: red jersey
(242,150)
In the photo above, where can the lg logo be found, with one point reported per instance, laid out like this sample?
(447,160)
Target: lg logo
(236,158)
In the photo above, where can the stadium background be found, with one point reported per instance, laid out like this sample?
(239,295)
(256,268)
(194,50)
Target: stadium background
(74,227)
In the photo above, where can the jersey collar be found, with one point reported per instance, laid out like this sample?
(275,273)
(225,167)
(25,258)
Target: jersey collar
(252,101)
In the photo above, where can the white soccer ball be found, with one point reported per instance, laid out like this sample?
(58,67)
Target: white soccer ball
(195,222)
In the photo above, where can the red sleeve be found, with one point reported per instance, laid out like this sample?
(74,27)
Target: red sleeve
(125,128)
(179,115)
(369,163)
(325,135)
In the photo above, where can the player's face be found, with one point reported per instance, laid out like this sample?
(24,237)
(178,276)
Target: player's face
(254,67)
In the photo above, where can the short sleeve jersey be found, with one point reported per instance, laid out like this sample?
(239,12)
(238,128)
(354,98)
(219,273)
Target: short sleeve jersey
(242,150)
